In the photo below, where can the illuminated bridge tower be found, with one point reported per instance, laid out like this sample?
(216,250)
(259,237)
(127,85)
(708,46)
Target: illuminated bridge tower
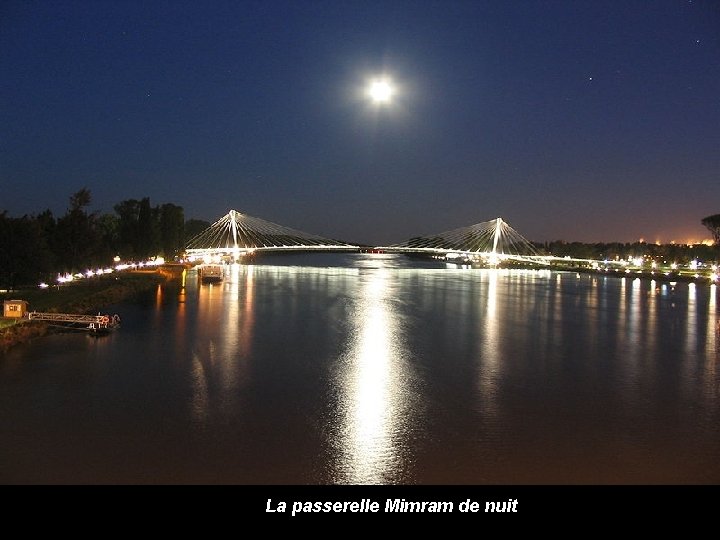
(492,240)
(236,234)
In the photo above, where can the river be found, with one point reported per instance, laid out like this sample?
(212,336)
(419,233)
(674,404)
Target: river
(376,369)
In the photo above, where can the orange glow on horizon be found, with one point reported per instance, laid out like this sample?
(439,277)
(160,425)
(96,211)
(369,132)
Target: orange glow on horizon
(689,242)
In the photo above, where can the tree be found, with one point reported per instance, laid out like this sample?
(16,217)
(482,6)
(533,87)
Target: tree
(128,212)
(172,230)
(108,227)
(48,226)
(713,225)
(24,255)
(78,238)
(148,240)
(80,200)
(144,231)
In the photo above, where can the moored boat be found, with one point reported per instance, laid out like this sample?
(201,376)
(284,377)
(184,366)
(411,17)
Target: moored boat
(104,325)
(210,273)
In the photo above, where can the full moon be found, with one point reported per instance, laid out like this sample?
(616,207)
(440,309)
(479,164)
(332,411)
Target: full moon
(381,91)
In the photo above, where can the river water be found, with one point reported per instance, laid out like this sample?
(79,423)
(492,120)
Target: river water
(376,369)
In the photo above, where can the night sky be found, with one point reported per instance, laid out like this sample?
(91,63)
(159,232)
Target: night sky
(577,120)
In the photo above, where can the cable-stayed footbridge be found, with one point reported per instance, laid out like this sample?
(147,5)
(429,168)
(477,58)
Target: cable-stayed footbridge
(491,241)
(236,234)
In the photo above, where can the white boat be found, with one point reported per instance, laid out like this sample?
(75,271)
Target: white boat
(210,273)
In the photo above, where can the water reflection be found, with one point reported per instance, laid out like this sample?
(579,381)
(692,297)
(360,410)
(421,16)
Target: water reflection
(711,384)
(651,318)
(633,337)
(181,314)
(557,316)
(248,314)
(490,351)
(222,342)
(200,402)
(622,314)
(713,322)
(377,375)
(373,403)
(692,330)
(158,305)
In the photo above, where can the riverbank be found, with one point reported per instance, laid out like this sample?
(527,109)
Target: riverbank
(650,275)
(87,296)
(700,277)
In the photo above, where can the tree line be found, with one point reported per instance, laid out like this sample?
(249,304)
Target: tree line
(678,253)
(36,248)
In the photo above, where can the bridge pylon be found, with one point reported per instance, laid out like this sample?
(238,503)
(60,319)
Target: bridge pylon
(493,240)
(236,234)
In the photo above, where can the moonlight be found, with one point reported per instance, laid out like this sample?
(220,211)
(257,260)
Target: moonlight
(381,91)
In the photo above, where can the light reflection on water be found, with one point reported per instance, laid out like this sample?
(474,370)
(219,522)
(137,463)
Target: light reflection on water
(711,375)
(490,362)
(373,402)
(374,372)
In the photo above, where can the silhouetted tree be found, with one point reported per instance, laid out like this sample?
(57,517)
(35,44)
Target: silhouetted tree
(144,231)
(172,230)
(109,229)
(148,239)
(24,254)
(78,240)
(713,225)
(80,199)
(48,229)
(128,212)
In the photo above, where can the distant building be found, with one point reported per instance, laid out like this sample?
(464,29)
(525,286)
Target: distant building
(15,308)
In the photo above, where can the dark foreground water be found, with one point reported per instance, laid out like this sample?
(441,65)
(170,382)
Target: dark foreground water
(371,369)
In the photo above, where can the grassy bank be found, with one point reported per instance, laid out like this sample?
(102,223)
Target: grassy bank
(86,296)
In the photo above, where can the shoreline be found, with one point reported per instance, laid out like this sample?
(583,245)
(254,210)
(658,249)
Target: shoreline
(92,296)
(83,298)
(671,277)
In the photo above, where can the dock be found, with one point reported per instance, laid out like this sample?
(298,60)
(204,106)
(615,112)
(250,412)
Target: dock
(93,323)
